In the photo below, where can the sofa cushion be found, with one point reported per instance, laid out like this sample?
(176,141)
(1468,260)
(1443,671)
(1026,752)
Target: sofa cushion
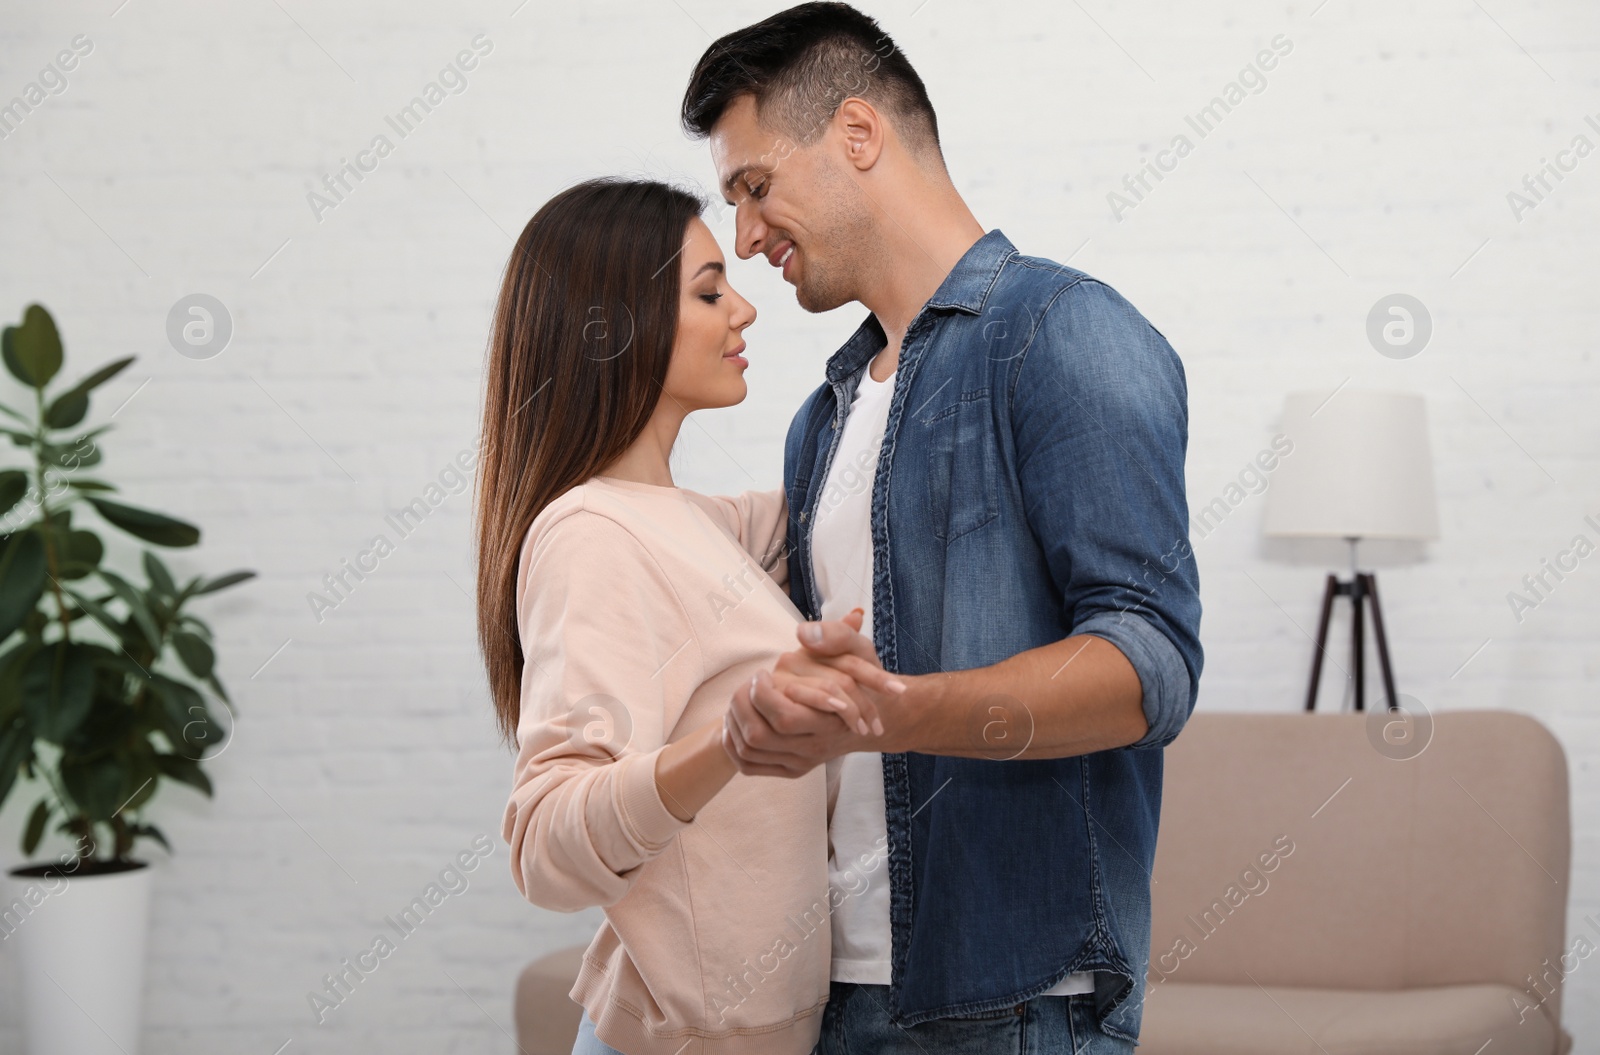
(547,1018)
(1205,1019)
(1324,851)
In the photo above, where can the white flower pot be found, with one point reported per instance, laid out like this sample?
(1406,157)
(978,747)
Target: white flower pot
(81,940)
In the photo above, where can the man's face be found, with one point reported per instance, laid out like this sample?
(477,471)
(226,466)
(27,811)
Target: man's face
(799,206)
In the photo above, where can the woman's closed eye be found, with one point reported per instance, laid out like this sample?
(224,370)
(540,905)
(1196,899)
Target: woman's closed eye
(711,298)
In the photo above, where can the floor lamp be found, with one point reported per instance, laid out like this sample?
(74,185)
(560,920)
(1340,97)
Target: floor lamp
(1360,467)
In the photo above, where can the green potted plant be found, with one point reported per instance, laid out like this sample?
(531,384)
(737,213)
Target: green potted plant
(102,701)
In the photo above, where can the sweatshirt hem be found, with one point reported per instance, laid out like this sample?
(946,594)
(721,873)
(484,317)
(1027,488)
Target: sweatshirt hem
(623,1027)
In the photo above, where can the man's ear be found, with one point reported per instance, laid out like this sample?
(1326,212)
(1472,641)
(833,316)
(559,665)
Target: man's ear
(863,130)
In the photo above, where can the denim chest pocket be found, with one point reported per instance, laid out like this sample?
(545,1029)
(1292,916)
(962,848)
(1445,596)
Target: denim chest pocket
(962,493)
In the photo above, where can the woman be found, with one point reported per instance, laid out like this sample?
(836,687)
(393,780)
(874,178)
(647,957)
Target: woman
(619,613)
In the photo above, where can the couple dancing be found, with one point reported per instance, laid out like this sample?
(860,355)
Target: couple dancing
(870,762)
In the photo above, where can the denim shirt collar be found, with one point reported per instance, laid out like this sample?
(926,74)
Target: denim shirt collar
(966,288)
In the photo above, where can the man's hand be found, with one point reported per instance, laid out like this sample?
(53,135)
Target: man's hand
(819,702)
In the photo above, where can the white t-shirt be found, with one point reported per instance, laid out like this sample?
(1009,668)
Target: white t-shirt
(858,839)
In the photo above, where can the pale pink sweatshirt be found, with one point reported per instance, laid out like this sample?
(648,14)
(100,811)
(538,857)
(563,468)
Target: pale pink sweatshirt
(641,609)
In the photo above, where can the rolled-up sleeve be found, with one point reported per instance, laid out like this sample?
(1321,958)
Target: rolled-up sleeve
(1100,422)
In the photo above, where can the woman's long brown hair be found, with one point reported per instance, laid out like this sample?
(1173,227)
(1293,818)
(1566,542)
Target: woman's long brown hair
(582,336)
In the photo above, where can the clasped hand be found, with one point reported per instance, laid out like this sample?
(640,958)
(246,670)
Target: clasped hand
(827,698)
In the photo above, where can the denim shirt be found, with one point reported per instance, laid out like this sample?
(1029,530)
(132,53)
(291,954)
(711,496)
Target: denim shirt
(1030,487)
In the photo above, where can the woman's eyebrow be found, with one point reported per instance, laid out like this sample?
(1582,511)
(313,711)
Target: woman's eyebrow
(709,265)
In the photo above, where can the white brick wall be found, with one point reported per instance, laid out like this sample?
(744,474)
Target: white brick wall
(179,158)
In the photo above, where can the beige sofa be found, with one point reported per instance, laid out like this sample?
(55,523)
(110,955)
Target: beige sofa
(1316,891)
(547,1019)
(1419,895)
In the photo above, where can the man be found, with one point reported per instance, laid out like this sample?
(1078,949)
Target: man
(993,472)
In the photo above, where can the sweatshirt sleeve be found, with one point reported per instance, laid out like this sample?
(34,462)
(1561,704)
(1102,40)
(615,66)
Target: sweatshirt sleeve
(610,662)
(759,521)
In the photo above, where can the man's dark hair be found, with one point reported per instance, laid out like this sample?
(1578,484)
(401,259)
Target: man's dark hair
(799,65)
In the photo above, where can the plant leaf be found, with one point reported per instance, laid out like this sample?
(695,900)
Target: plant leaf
(142,523)
(158,574)
(13,485)
(35,348)
(202,729)
(131,596)
(110,723)
(72,455)
(153,832)
(35,829)
(222,582)
(121,663)
(70,407)
(89,485)
(186,770)
(143,778)
(57,689)
(11,665)
(94,609)
(8,352)
(195,653)
(102,375)
(93,784)
(66,410)
(22,575)
(189,724)
(195,624)
(16,749)
(80,554)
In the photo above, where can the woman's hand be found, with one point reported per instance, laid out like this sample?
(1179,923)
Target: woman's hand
(822,689)
(846,686)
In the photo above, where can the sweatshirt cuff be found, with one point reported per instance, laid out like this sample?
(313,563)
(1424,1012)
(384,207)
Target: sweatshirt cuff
(648,821)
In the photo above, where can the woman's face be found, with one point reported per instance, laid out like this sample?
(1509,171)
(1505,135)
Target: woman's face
(707,369)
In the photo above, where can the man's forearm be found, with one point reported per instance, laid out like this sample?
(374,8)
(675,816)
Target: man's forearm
(1069,698)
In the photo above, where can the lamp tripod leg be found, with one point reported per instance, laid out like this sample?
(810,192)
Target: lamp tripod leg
(1383,641)
(1321,648)
(1358,638)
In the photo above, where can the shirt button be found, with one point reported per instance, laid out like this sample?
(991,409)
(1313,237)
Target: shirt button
(803,517)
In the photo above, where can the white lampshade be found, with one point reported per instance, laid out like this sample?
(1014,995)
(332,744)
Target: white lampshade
(1361,467)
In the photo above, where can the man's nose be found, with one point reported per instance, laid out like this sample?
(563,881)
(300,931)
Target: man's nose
(749,230)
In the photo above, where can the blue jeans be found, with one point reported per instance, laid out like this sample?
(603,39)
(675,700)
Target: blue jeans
(856,1022)
(588,1043)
